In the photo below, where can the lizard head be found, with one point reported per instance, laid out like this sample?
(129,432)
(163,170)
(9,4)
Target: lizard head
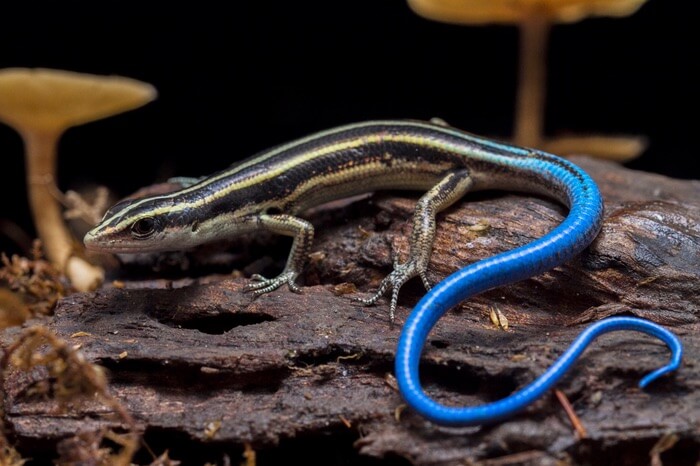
(141,225)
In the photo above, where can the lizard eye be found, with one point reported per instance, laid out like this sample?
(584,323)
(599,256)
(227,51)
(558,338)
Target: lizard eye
(143,228)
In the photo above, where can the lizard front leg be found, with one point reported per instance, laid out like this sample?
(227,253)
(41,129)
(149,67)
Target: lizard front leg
(441,196)
(303,234)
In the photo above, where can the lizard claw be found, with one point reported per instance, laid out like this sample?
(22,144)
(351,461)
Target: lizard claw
(264,285)
(394,281)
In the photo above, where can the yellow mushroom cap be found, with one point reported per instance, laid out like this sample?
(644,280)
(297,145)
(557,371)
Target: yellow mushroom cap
(55,99)
(41,104)
(515,11)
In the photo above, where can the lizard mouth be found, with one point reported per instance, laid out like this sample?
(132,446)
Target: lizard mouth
(94,240)
(90,240)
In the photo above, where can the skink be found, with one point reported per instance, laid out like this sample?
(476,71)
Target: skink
(269,191)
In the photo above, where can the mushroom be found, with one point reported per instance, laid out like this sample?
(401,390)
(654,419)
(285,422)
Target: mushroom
(41,104)
(535,17)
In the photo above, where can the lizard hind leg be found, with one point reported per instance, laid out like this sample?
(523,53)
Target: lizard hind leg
(451,188)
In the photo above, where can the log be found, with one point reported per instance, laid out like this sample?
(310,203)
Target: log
(206,370)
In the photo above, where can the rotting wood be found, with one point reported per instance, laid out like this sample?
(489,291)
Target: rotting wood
(199,352)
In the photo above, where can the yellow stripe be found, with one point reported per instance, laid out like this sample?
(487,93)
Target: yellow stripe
(304,157)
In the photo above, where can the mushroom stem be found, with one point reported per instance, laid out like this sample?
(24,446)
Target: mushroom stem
(46,210)
(47,214)
(529,116)
(617,148)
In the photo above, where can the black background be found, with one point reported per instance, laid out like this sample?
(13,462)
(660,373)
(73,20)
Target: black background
(238,77)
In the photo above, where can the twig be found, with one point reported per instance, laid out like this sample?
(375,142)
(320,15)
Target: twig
(573,417)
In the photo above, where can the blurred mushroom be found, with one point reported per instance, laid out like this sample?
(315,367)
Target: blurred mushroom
(41,104)
(534,18)
(617,148)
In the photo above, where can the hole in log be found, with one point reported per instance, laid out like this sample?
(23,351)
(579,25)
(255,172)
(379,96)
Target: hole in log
(212,323)
(466,380)
(441,344)
(183,379)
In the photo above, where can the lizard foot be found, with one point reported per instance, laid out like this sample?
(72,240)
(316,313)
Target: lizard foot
(394,281)
(264,285)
